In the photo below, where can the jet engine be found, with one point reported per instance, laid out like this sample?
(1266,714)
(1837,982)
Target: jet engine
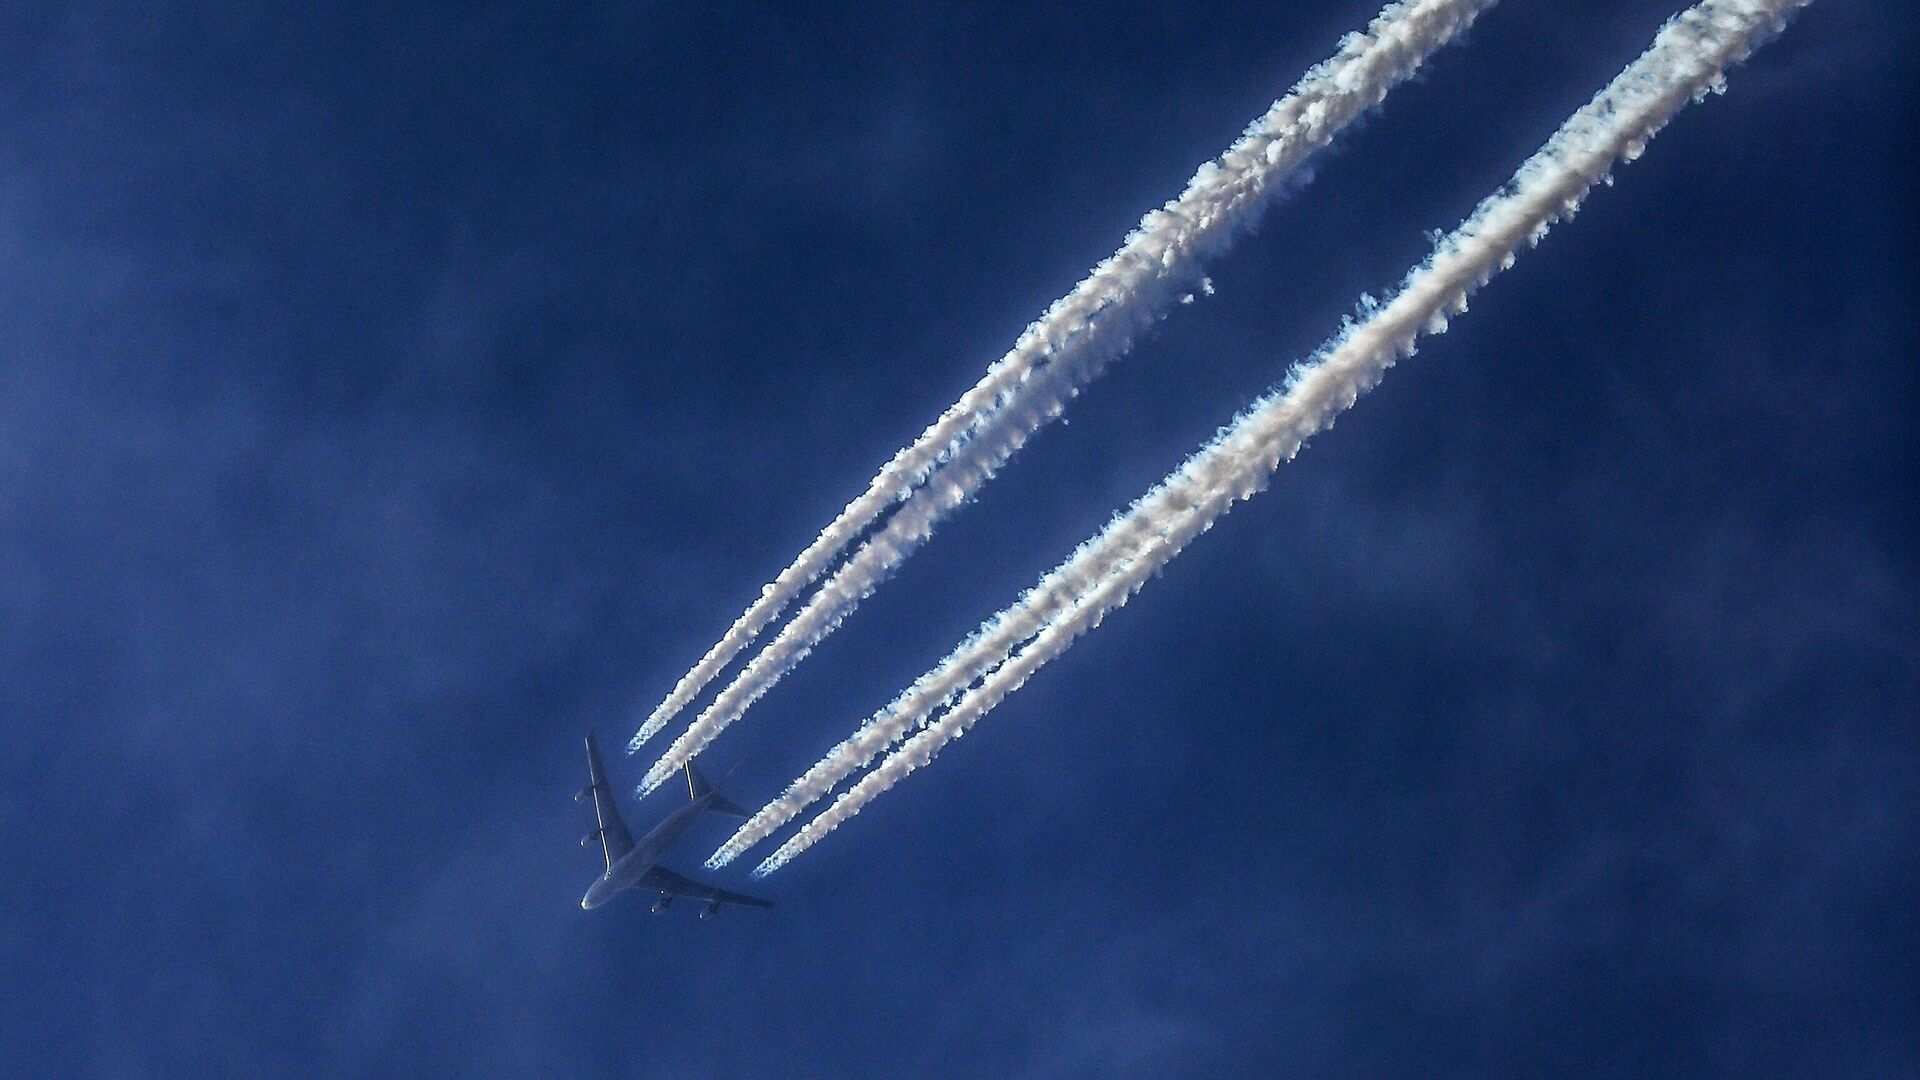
(661,904)
(710,910)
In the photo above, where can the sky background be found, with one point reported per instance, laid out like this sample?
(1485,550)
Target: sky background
(389,395)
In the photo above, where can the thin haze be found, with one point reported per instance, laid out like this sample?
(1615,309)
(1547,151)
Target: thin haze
(388,391)
(1687,59)
(1158,266)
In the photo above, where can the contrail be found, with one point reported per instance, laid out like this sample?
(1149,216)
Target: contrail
(984,650)
(1158,266)
(1688,59)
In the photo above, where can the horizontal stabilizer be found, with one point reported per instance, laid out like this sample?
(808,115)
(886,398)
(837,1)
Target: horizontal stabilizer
(697,786)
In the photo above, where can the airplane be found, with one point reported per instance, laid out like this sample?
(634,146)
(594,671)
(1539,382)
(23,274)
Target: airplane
(636,866)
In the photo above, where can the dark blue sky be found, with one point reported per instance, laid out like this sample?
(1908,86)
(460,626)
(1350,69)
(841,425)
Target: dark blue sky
(388,397)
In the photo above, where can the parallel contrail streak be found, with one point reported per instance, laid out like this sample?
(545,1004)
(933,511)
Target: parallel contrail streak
(1070,345)
(1687,59)
(982,651)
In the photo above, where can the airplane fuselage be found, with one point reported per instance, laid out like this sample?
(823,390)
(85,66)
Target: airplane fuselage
(634,864)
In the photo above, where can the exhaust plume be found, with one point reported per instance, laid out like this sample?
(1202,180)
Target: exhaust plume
(1067,347)
(1687,60)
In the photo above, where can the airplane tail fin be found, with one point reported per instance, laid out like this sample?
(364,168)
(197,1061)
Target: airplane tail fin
(697,786)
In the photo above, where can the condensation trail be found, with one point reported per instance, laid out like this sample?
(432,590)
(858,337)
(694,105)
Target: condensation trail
(1158,266)
(984,650)
(1687,60)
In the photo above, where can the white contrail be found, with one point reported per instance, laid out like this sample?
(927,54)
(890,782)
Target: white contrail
(1157,267)
(1687,59)
(984,650)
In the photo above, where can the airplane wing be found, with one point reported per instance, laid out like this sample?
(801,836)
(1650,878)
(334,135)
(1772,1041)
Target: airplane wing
(661,879)
(615,840)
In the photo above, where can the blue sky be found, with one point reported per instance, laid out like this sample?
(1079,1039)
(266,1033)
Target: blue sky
(387,397)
